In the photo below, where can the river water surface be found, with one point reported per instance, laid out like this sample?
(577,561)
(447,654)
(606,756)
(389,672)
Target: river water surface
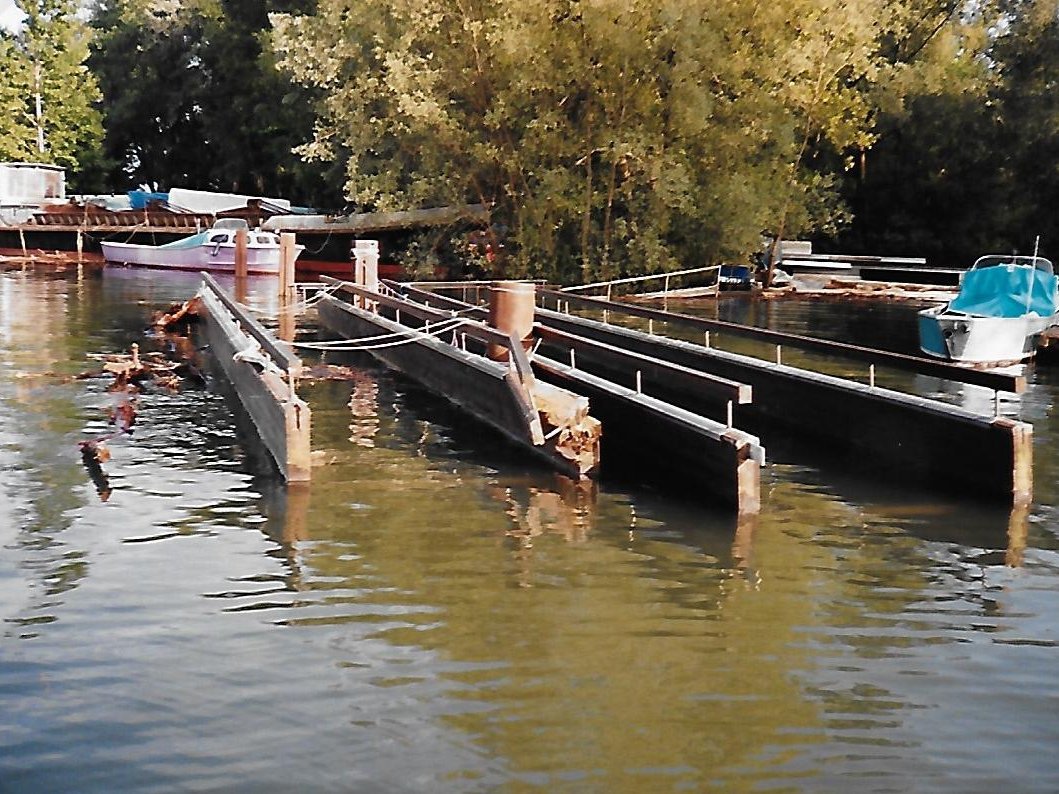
(435,614)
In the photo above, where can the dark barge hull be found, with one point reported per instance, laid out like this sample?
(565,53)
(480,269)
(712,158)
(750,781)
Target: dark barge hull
(486,389)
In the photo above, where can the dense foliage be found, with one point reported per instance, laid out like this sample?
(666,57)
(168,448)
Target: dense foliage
(609,136)
(193,99)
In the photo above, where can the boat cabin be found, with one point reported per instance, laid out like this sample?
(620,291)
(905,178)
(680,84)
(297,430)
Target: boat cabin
(224,231)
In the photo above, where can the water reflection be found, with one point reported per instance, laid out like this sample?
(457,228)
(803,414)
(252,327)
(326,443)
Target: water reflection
(517,629)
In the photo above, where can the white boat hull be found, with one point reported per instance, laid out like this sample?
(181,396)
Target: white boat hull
(260,260)
(979,341)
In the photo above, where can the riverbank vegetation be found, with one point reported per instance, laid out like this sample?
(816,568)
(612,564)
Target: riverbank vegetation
(611,137)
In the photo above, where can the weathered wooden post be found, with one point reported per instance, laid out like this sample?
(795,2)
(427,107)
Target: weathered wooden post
(512,307)
(241,236)
(287,289)
(366,267)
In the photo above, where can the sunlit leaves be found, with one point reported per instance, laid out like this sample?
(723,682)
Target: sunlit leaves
(610,136)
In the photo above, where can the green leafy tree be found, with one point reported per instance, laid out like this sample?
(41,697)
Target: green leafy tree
(610,137)
(146,57)
(47,95)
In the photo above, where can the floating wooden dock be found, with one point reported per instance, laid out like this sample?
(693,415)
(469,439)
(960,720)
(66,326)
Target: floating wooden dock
(263,373)
(670,445)
(908,436)
(553,424)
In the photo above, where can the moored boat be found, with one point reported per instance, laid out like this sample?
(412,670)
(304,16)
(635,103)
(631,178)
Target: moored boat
(212,250)
(1004,303)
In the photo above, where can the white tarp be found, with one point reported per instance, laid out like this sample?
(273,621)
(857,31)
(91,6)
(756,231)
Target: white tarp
(209,202)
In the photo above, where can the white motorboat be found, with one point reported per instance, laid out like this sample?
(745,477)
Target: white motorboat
(212,250)
(1004,303)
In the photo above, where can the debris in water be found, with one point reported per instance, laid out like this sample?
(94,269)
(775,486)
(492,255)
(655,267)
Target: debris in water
(94,454)
(188,310)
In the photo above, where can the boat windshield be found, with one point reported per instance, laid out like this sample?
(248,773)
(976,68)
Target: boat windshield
(993,260)
(233,224)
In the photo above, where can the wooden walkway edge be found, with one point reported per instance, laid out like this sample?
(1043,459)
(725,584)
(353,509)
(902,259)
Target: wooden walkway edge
(263,374)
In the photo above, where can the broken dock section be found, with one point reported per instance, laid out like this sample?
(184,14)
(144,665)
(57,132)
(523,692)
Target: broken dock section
(263,373)
(884,432)
(543,404)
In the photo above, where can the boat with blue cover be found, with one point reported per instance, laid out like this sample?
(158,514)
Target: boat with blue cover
(1004,304)
(212,250)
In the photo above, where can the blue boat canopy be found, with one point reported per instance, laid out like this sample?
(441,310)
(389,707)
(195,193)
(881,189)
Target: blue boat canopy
(1007,290)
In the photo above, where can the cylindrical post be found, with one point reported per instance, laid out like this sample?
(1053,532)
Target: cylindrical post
(639,383)
(651,325)
(512,309)
(80,243)
(288,255)
(779,354)
(573,359)
(871,375)
(366,267)
(706,337)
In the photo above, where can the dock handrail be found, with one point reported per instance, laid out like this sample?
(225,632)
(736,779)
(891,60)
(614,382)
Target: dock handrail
(638,279)
(473,329)
(993,380)
(284,357)
(739,393)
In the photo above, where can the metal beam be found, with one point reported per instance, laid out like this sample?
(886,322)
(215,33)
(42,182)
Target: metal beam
(924,366)
(899,434)
(656,441)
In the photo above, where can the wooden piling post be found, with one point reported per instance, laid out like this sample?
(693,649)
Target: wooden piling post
(241,237)
(512,308)
(366,268)
(287,289)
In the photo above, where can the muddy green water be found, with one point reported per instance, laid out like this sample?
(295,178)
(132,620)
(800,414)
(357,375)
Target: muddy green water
(436,614)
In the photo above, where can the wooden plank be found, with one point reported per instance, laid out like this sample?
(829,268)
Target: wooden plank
(281,352)
(367,222)
(644,366)
(924,366)
(491,391)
